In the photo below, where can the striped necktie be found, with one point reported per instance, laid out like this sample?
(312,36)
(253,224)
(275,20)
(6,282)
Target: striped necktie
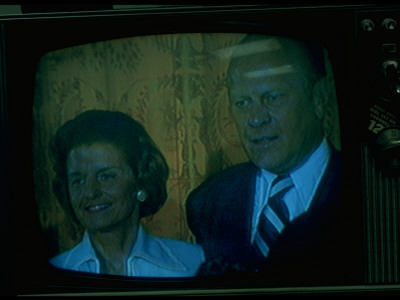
(274,217)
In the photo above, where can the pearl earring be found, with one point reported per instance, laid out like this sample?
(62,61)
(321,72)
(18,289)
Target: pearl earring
(141,196)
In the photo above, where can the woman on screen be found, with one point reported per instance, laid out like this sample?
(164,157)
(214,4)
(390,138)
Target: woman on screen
(109,175)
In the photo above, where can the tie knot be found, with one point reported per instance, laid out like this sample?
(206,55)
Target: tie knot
(280,185)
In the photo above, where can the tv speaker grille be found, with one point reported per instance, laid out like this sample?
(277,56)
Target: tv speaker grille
(381,222)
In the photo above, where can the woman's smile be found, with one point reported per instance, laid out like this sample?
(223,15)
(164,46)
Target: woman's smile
(101,186)
(97,208)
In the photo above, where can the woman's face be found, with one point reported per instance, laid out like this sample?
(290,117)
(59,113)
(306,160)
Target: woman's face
(101,187)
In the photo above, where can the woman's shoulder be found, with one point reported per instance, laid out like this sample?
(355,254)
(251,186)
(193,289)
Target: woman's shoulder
(165,256)
(179,248)
(179,245)
(59,260)
(63,260)
(174,249)
(74,258)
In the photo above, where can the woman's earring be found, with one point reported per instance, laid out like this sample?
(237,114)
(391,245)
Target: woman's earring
(141,196)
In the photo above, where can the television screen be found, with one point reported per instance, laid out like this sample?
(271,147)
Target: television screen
(180,151)
(175,86)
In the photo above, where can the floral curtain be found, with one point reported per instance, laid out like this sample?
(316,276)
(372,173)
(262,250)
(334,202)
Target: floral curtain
(174,85)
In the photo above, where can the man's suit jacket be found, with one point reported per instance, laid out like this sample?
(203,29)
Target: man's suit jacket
(219,214)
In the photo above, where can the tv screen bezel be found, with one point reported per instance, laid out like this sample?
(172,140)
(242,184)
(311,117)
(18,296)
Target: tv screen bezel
(34,33)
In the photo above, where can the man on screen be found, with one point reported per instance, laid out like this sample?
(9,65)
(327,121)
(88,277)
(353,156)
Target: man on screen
(278,212)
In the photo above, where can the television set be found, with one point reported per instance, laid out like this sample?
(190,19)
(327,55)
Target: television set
(166,67)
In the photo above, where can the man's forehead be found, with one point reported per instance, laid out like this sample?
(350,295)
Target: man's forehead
(266,58)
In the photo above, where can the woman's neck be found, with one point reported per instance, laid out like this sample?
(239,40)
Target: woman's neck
(114,246)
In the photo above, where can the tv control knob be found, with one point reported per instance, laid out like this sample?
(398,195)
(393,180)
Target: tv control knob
(387,146)
(386,80)
(367,25)
(392,75)
(389,24)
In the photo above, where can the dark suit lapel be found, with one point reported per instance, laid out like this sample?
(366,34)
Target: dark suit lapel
(238,210)
(329,187)
(300,236)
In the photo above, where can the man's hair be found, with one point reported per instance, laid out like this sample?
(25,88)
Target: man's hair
(313,53)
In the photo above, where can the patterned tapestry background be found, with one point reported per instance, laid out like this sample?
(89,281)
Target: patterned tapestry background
(174,85)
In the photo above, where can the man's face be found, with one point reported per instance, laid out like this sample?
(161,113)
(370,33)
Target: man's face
(277,117)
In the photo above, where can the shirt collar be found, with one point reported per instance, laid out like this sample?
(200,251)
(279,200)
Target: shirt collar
(155,251)
(86,253)
(306,179)
(146,247)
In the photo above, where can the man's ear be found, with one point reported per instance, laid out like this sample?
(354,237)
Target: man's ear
(320,97)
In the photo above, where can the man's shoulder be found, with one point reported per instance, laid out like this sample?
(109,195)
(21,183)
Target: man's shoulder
(232,174)
(225,191)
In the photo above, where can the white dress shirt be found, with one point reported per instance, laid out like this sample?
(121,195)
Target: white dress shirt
(150,257)
(305,179)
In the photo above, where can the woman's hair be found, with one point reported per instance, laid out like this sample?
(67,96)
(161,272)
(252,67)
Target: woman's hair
(145,160)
